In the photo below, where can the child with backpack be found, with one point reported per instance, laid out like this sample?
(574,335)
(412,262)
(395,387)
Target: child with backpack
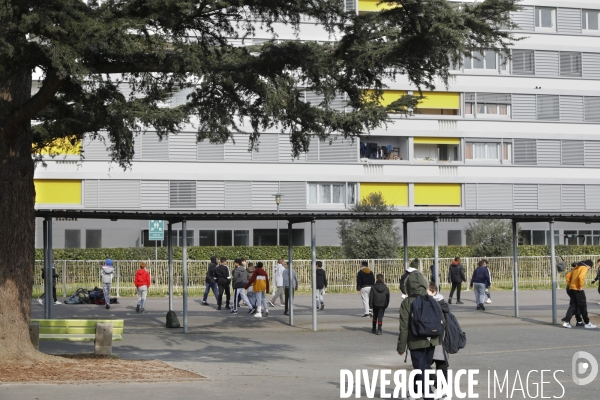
(440,356)
(379,299)
(142,283)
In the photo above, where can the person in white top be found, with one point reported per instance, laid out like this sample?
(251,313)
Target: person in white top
(279,268)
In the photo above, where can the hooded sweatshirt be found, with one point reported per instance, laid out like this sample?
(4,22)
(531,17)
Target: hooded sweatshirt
(364,278)
(321,278)
(403,279)
(379,296)
(416,285)
(211,271)
(576,277)
(456,273)
(259,281)
(240,277)
(107,273)
(142,278)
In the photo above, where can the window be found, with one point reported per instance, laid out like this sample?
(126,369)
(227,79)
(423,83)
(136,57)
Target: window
(487,109)
(488,104)
(589,20)
(570,63)
(182,194)
(523,62)
(72,239)
(489,59)
(454,238)
(547,108)
(268,237)
(331,193)
(507,152)
(93,238)
(483,151)
(538,237)
(189,238)
(224,238)
(207,238)
(241,238)
(545,18)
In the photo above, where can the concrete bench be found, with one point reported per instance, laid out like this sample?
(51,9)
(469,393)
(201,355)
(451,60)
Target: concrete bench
(102,332)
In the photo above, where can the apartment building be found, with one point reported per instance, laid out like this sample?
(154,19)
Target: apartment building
(507,134)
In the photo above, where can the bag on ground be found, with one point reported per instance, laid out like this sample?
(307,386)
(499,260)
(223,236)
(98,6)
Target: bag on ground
(172,320)
(426,317)
(454,337)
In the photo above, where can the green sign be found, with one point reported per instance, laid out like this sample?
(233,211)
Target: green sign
(157,230)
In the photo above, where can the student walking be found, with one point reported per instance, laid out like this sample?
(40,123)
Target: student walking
(364,281)
(578,303)
(223,278)
(211,281)
(54,278)
(142,283)
(106,273)
(379,299)
(240,278)
(481,281)
(279,283)
(421,348)
(456,276)
(440,355)
(286,287)
(597,278)
(250,290)
(321,285)
(413,266)
(260,282)
(488,291)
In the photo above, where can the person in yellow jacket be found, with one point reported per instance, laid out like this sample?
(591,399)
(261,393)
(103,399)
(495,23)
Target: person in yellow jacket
(578,303)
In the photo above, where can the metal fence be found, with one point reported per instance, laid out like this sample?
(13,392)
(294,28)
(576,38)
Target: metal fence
(534,272)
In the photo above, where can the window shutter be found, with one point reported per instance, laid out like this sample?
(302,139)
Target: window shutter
(524,18)
(523,106)
(592,192)
(571,108)
(491,196)
(96,149)
(546,63)
(122,193)
(182,146)
(182,194)
(207,151)
(568,20)
(238,195)
(350,5)
(547,108)
(496,98)
(591,65)
(592,153)
(523,62)
(210,195)
(154,195)
(573,152)
(153,148)
(570,63)
(592,109)
(525,152)
(268,148)
(262,195)
(338,149)
(526,197)
(470,97)
(549,197)
(548,152)
(294,195)
(573,197)
(237,151)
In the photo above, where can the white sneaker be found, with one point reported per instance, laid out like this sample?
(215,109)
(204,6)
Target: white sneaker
(41,301)
(56,303)
(488,301)
(589,325)
(272,304)
(258,315)
(567,325)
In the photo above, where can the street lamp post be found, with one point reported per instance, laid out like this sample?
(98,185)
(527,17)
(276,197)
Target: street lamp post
(278,197)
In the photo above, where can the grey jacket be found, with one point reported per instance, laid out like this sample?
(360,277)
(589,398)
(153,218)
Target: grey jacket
(240,277)
(106,272)
(286,278)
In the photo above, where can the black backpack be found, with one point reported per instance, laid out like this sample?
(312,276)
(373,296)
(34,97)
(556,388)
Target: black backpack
(426,317)
(454,337)
(172,320)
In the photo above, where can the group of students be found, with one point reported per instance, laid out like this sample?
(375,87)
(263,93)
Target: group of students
(577,300)
(481,280)
(250,284)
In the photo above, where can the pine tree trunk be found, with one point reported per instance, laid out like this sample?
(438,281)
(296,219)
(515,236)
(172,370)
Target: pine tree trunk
(17,226)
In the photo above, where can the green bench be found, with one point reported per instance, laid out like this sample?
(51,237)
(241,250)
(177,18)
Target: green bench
(77,330)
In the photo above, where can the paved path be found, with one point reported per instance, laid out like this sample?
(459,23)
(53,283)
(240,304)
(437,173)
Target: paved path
(245,357)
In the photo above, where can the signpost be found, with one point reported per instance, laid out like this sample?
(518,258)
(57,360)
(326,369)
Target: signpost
(156,232)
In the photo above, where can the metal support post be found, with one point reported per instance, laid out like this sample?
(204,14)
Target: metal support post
(184,275)
(313,244)
(515,267)
(405,243)
(291,274)
(170,258)
(436,255)
(49,274)
(553,266)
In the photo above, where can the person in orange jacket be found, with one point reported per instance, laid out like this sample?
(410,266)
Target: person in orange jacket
(142,283)
(578,303)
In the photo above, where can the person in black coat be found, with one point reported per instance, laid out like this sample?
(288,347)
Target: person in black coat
(223,278)
(321,285)
(211,281)
(456,276)
(597,278)
(54,277)
(364,280)
(379,299)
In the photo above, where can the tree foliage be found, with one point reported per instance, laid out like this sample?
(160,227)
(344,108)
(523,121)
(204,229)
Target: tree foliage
(370,238)
(491,237)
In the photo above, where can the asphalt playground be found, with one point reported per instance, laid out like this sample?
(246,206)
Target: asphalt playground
(244,357)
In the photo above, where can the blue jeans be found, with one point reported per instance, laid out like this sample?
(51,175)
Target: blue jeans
(479,289)
(214,288)
(422,360)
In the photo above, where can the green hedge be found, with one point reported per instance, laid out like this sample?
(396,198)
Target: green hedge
(300,252)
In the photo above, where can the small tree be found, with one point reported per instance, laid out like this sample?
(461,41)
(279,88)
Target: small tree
(371,238)
(491,237)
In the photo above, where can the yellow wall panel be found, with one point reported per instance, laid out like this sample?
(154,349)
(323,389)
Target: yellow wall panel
(436,140)
(444,100)
(394,194)
(438,194)
(61,146)
(373,6)
(57,191)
